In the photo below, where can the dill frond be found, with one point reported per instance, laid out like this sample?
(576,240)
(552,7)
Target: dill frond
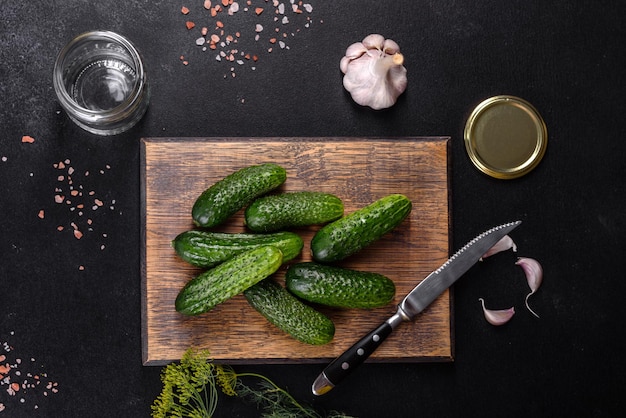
(190,390)
(227,379)
(273,400)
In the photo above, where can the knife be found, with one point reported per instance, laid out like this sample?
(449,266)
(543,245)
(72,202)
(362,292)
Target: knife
(415,302)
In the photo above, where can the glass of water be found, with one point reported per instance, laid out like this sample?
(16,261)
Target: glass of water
(100,81)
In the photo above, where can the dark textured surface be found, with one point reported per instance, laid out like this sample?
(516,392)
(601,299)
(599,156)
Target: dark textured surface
(82,327)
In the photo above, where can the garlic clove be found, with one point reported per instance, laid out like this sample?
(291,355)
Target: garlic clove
(357,76)
(390,47)
(534,276)
(374,41)
(497,317)
(344,63)
(355,50)
(506,243)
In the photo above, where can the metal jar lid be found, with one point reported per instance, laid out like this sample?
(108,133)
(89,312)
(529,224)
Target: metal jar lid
(505,137)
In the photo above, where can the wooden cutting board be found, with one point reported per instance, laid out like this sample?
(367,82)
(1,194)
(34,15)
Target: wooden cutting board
(358,170)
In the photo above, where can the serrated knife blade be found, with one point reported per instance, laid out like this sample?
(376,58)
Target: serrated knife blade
(413,303)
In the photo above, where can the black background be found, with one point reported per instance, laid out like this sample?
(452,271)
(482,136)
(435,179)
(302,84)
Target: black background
(83,327)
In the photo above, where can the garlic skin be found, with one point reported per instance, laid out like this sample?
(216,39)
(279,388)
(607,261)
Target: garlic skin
(373,72)
(534,276)
(506,243)
(497,317)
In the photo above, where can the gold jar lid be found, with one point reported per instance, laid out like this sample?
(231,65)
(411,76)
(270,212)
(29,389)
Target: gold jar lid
(505,137)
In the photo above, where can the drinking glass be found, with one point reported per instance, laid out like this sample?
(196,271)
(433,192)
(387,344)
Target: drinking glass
(101,83)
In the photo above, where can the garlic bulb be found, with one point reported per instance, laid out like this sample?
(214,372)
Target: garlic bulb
(373,72)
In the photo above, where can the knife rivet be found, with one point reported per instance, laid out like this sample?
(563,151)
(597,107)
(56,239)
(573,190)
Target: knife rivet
(376,338)
(360,351)
(345,366)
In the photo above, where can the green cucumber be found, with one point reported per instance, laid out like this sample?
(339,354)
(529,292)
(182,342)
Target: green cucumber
(206,249)
(339,287)
(209,289)
(294,209)
(289,314)
(226,197)
(355,231)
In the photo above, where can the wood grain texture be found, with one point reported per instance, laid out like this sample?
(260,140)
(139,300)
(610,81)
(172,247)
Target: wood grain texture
(358,170)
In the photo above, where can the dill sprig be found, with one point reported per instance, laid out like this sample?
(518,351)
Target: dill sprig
(275,402)
(190,390)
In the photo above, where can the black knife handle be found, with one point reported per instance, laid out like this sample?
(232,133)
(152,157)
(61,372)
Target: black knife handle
(343,365)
